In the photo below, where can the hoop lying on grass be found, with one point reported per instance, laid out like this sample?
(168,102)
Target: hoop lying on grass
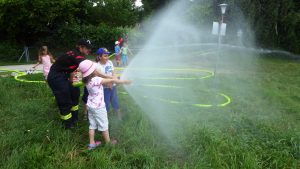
(210,74)
(17,74)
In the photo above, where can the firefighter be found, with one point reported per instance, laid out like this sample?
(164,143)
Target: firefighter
(59,80)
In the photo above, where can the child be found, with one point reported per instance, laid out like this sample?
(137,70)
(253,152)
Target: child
(124,52)
(95,103)
(46,59)
(104,65)
(117,53)
(86,94)
(121,41)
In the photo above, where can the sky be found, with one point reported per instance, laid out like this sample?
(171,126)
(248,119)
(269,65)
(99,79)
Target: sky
(138,3)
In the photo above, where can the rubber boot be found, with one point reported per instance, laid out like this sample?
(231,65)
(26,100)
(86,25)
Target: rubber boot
(68,124)
(75,118)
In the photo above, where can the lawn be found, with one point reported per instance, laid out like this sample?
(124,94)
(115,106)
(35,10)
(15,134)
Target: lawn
(259,128)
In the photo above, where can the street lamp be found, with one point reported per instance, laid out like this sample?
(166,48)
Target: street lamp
(223,10)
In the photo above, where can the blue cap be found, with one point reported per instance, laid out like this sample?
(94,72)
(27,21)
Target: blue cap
(102,51)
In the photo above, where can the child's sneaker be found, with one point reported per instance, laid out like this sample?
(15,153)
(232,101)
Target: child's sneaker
(113,142)
(93,146)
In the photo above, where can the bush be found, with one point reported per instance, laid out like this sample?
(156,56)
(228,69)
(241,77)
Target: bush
(103,35)
(10,51)
(100,36)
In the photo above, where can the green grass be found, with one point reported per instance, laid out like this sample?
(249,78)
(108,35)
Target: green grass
(259,129)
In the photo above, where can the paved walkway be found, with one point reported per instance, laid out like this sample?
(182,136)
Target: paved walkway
(21,67)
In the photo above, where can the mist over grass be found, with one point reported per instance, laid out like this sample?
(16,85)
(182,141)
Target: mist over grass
(181,78)
(254,131)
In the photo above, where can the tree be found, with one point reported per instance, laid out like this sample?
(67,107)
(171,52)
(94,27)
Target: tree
(275,23)
(150,6)
(113,12)
(25,21)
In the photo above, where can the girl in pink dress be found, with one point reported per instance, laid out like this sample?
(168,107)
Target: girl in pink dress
(46,59)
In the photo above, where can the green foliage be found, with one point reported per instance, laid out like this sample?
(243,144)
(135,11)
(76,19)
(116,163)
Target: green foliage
(101,35)
(61,23)
(150,6)
(201,14)
(26,21)
(114,13)
(140,160)
(275,23)
(9,51)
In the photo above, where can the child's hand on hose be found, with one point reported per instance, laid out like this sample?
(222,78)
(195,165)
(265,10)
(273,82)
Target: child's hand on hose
(115,77)
(127,81)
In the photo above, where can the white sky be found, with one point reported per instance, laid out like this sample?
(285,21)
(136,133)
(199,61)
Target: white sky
(138,3)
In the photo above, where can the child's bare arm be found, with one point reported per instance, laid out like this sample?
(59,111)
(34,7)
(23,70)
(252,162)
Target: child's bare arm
(39,62)
(36,65)
(107,81)
(52,59)
(104,75)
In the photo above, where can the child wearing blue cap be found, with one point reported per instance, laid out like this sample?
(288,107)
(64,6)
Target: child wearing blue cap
(105,66)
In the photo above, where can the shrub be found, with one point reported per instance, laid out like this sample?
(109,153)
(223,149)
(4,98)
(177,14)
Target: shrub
(100,36)
(10,51)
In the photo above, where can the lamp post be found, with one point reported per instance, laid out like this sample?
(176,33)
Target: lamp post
(223,10)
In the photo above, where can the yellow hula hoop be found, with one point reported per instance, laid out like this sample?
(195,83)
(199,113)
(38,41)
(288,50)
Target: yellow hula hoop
(228,101)
(20,74)
(210,74)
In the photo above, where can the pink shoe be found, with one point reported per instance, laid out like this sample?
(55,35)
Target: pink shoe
(93,146)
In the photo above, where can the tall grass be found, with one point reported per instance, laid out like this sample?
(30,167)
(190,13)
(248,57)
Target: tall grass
(247,137)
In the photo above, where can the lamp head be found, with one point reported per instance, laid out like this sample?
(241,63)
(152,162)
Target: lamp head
(223,8)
